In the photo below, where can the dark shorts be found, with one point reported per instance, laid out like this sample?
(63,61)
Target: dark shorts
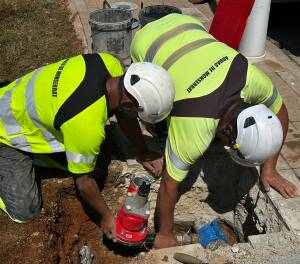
(18,187)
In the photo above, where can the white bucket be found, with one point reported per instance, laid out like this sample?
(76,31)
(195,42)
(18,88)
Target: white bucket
(124,5)
(253,42)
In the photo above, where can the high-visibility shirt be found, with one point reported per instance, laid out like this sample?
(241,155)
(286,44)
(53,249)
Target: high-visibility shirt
(208,77)
(60,107)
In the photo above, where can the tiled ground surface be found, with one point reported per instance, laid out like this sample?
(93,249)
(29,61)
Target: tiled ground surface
(284,72)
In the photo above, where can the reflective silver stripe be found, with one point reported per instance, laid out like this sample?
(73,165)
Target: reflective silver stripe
(20,142)
(176,161)
(272,99)
(78,158)
(152,50)
(32,112)
(184,50)
(10,124)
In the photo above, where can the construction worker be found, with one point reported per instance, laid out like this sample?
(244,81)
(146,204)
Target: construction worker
(217,92)
(63,107)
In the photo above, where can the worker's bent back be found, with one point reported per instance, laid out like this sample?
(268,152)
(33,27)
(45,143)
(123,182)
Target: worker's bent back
(60,107)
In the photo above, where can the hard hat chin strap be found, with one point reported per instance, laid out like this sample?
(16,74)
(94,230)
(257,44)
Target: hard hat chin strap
(234,146)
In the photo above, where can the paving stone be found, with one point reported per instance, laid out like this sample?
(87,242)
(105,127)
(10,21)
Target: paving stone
(291,99)
(269,66)
(296,125)
(291,152)
(282,164)
(207,10)
(80,33)
(291,80)
(290,175)
(80,4)
(72,7)
(194,12)
(297,172)
(276,52)
(293,132)
(92,4)
(289,209)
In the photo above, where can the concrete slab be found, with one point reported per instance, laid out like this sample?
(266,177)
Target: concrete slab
(273,240)
(290,211)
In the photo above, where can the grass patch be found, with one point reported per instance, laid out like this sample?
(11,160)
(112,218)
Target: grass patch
(34,33)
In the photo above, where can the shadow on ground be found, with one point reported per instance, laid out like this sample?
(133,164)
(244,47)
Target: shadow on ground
(227,181)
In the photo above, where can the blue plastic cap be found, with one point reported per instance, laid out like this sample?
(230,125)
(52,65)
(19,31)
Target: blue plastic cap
(211,232)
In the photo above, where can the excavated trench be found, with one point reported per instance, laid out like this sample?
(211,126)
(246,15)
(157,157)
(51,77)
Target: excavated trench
(216,188)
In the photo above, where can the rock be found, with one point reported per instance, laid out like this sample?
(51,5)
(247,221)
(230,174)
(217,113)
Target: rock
(235,249)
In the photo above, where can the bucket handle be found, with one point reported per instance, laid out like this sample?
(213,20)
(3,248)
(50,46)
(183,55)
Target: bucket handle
(106,4)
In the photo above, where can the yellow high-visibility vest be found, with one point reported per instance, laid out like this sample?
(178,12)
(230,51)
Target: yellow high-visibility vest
(208,77)
(60,107)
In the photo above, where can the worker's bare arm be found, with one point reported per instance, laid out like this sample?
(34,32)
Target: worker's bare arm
(89,191)
(152,161)
(166,204)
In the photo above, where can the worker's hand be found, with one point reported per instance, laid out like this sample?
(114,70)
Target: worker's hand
(271,178)
(108,227)
(165,241)
(152,162)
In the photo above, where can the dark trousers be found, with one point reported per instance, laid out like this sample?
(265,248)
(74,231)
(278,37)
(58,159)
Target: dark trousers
(18,186)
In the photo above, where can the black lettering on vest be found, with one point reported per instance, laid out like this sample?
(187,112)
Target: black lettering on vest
(215,104)
(195,83)
(56,78)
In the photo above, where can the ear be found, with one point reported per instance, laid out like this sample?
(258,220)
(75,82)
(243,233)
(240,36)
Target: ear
(229,129)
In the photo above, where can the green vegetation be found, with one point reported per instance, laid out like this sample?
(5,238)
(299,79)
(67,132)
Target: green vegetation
(34,33)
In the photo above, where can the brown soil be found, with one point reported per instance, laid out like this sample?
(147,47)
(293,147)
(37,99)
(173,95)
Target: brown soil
(60,231)
(65,224)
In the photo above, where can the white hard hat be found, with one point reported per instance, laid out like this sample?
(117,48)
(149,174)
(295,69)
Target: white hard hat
(153,89)
(259,136)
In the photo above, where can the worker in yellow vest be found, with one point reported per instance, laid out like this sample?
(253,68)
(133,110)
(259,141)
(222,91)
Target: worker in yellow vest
(217,92)
(63,107)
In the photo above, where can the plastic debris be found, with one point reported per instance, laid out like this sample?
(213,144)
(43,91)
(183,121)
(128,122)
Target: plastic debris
(85,255)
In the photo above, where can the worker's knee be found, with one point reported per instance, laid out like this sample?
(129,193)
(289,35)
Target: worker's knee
(23,210)
(27,213)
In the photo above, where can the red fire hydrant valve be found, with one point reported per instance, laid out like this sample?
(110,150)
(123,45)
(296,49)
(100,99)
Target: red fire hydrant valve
(132,220)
